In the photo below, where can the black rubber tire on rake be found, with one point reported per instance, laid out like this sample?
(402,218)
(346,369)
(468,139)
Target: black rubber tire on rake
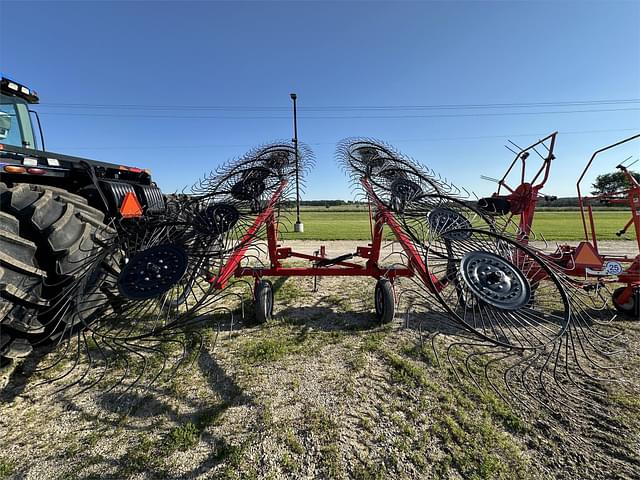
(64,230)
(384,300)
(264,301)
(631,308)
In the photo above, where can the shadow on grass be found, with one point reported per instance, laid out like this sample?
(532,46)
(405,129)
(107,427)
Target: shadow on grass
(22,372)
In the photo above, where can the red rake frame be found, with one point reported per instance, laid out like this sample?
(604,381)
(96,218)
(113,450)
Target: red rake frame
(630,197)
(335,267)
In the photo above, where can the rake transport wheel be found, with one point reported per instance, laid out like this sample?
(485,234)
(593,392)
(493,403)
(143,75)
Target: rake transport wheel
(629,308)
(385,302)
(264,300)
(51,232)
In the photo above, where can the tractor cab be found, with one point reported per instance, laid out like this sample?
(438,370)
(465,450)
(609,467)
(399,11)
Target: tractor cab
(16,127)
(24,160)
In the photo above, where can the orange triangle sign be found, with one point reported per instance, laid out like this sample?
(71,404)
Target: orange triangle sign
(586,256)
(130,206)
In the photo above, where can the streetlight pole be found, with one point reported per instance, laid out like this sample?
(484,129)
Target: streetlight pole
(299,226)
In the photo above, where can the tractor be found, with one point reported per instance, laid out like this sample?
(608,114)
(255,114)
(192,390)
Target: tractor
(54,208)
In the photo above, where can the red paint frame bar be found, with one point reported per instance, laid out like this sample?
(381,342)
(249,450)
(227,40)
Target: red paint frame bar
(415,260)
(324,272)
(233,263)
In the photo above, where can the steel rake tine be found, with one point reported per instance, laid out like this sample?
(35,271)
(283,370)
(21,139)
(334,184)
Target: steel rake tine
(103,370)
(69,371)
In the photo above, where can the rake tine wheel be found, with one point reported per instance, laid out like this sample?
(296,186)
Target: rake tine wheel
(519,319)
(497,289)
(150,284)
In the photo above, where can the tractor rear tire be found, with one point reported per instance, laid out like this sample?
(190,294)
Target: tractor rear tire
(20,290)
(55,233)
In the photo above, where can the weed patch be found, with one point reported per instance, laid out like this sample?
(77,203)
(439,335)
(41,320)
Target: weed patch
(183,437)
(326,430)
(143,457)
(278,345)
(6,469)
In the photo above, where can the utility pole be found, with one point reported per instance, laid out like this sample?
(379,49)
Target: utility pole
(299,226)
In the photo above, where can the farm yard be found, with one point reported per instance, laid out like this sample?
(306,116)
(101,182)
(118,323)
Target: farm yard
(205,377)
(322,388)
(320,391)
(293,240)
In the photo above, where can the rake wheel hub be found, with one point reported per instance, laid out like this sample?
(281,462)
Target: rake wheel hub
(450,224)
(217,219)
(278,160)
(395,173)
(370,157)
(249,189)
(152,272)
(495,280)
(405,189)
(251,185)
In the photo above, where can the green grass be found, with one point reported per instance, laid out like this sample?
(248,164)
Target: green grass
(6,468)
(468,424)
(184,437)
(333,224)
(326,430)
(284,343)
(568,225)
(148,454)
(141,457)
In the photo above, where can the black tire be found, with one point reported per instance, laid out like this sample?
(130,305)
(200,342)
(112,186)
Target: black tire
(264,301)
(384,300)
(20,290)
(631,307)
(65,231)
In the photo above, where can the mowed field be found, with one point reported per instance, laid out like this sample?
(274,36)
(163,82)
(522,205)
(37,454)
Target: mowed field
(353,224)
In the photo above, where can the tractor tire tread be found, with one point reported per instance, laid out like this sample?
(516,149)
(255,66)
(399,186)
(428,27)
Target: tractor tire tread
(51,233)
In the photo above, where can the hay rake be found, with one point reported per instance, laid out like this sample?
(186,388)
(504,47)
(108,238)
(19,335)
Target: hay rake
(162,279)
(486,281)
(520,319)
(165,279)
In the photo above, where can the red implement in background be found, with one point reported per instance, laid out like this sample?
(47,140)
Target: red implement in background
(521,200)
(585,259)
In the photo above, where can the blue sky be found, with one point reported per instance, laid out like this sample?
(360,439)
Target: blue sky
(161,59)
